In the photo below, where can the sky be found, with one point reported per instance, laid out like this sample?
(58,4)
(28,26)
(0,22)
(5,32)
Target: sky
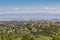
(14,7)
(29,6)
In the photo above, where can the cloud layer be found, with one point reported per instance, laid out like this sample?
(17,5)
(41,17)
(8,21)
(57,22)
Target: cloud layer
(31,10)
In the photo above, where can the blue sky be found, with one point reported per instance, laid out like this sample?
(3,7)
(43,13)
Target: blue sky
(34,7)
(29,6)
(29,3)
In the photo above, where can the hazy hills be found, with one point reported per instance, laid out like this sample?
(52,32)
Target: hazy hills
(21,16)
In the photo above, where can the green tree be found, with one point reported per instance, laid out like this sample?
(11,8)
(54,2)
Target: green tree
(11,37)
(3,36)
(56,38)
(27,37)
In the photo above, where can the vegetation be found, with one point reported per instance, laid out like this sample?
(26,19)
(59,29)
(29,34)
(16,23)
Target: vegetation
(27,37)
(30,31)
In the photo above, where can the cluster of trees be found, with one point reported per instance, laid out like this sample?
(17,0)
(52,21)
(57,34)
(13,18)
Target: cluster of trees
(30,31)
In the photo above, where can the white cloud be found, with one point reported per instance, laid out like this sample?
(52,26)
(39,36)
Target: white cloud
(16,8)
(32,10)
(51,10)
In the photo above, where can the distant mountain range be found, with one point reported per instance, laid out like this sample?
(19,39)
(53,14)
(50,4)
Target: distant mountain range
(27,16)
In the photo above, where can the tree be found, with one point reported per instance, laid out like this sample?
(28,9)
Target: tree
(3,36)
(27,37)
(11,37)
(56,38)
